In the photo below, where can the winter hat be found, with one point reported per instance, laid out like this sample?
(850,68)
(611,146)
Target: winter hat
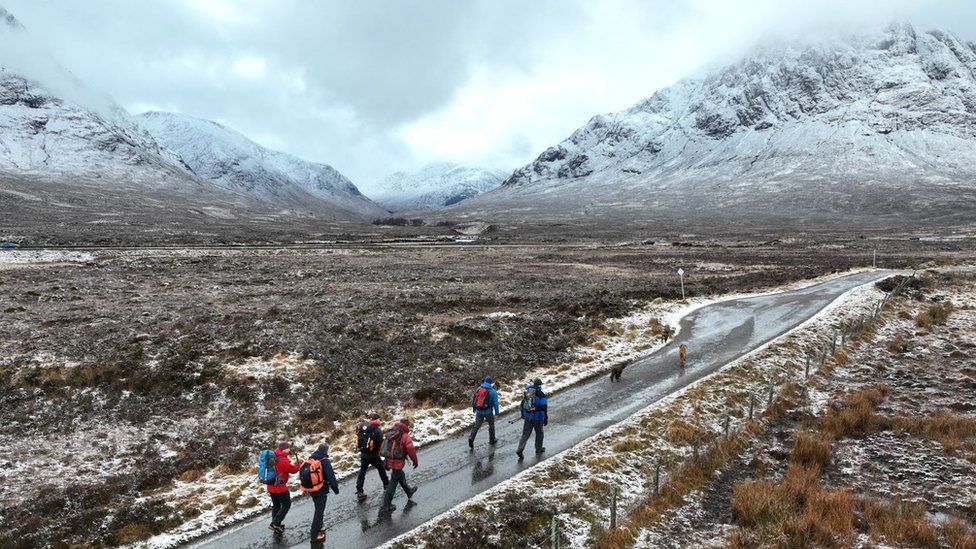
(537,382)
(283,446)
(405,421)
(324,448)
(487,380)
(372,415)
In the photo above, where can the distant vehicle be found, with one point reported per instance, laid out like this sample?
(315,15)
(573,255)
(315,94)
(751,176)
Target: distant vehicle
(8,246)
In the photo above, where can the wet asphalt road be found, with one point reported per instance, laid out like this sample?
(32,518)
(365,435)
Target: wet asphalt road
(450,474)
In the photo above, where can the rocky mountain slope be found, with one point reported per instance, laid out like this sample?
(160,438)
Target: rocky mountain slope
(435,185)
(876,128)
(232,161)
(54,127)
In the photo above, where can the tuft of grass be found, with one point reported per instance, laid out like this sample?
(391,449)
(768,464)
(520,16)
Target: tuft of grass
(899,523)
(855,415)
(934,315)
(811,449)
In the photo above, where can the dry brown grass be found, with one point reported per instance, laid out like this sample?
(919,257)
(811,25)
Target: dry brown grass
(811,449)
(855,414)
(934,315)
(899,523)
(898,345)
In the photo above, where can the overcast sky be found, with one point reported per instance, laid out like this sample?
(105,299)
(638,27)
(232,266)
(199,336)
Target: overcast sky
(377,86)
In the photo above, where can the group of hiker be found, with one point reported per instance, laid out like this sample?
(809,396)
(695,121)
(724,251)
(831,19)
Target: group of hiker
(387,452)
(384,451)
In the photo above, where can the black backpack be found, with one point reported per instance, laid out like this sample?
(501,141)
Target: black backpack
(368,438)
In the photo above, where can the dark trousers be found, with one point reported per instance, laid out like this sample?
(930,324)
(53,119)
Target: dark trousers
(280,504)
(397,478)
(478,420)
(365,462)
(319,499)
(527,427)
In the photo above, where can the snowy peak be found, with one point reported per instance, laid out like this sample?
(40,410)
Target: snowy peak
(827,128)
(434,186)
(229,159)
(55,127)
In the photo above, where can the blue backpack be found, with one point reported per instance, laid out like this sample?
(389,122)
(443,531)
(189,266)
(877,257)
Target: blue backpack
(267,467)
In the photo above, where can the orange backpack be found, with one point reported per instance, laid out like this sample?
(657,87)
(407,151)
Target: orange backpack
(311,477)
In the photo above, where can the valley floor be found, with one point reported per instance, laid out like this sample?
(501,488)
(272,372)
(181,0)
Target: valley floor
(139,385)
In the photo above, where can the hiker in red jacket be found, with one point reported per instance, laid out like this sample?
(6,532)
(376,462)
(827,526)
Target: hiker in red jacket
(397,447)
(280,496)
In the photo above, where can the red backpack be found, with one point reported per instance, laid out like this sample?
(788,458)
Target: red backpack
(482,398)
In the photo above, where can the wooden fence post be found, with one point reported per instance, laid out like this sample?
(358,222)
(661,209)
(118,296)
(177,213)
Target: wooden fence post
(613,507)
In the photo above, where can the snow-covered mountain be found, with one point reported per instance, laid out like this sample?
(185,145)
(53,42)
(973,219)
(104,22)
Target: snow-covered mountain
(231,160)
(54,127)
(872,128)
(435,185)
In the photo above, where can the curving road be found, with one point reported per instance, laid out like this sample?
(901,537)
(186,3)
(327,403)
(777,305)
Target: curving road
(449,474)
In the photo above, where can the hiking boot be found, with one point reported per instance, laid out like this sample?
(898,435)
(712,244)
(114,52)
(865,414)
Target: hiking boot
(520,454)
(279,529)
(361,496)
(388,508)
(411,492)
(471,443)
(320,537)
(540,451)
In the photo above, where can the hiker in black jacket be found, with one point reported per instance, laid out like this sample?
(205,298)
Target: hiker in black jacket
(368,439)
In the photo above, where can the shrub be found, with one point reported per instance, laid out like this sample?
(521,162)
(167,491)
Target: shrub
(935,315)
(811,450)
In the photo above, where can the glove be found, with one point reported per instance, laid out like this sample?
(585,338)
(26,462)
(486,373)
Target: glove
(545,422)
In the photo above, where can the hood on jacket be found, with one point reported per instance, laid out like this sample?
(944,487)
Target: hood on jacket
(318,455)
(280,453)
(487,380)
(487,385)
(375,422)
(402,426)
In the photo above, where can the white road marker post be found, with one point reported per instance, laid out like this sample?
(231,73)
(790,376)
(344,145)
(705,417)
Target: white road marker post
(681,274)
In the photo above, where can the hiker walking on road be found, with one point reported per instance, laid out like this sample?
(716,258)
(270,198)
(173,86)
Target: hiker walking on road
(369,437)
(396,448)
(317,478)
(535,416)
(682,354)
(280,496)
(484,402)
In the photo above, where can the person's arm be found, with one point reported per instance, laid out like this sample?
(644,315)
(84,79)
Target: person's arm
(544,408)
(474,398)
(330,476)
(293,467)
(411,451)
(494,400)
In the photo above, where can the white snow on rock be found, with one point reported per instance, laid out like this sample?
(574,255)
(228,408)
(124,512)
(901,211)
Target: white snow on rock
(876,123)
(435,185)
(232,161)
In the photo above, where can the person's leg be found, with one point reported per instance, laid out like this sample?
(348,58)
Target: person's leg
(526,433)
(539,435)
(364,463)
(377,462)
(275,507)
(319,500)
(491,429)
(395,476)
(285,506)
(478,420)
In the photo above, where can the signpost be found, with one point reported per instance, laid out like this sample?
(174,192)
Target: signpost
(681,273)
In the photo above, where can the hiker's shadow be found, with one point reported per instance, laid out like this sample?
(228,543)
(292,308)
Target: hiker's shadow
(483,468)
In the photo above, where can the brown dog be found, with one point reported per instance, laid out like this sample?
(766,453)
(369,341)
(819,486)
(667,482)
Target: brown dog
(618,370)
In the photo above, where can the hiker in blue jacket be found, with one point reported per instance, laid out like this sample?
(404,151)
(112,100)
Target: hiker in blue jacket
(535,416)
(484,402)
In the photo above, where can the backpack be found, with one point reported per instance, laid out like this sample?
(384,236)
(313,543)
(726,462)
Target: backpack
(528,400)
(310,476)
(392,448)
(368,438)
(267,467)
(482,398)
